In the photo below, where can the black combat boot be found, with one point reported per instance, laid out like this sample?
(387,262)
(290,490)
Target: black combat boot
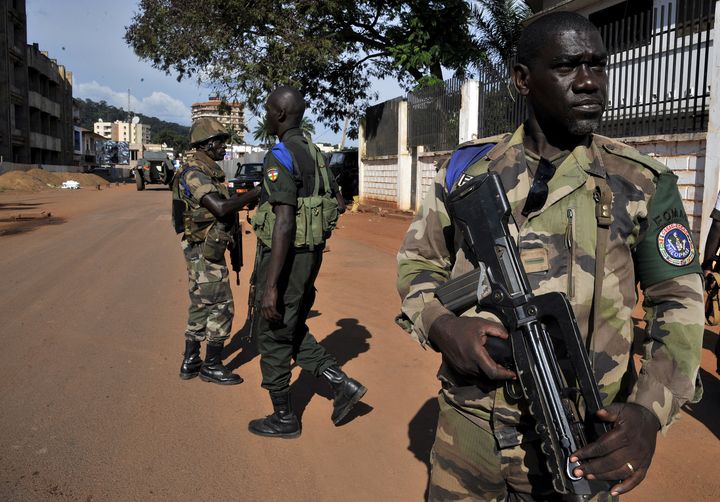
(191,360)
(213,370)
(281,424)
(346,392)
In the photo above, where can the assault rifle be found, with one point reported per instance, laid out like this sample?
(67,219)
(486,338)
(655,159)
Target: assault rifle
(236,250)
(548,353)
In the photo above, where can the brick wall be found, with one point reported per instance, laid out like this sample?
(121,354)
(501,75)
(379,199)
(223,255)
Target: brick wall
(380,179)
(685,156)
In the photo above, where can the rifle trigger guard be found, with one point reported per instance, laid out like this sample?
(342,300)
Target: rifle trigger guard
(570,467)
(512,390)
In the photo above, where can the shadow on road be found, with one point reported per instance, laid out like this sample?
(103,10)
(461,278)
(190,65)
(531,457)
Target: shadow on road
(345,343)
(240,341)
(421,434)
(18,206)
(707,410)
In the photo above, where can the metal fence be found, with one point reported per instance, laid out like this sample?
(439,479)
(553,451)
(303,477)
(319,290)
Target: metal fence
(381,128)
(434,116)
(658,70)
(500,108)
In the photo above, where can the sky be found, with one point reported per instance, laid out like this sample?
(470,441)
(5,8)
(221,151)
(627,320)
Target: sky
(86,36)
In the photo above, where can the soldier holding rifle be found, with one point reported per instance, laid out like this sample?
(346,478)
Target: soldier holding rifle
(206,216)
(594,218)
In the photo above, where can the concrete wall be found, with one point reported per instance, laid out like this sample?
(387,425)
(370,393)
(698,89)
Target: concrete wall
(684,154)
(380,180)
(428,163)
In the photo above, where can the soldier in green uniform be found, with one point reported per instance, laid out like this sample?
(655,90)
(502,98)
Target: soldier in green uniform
(594,217)
(205,215)
(711,267)
(299,207)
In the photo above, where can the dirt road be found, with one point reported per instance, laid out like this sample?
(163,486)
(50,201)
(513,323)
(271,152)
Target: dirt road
(93,309)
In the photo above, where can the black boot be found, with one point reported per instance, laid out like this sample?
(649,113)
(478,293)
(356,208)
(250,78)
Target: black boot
(346,392)
(281,424)
(213,370)
(191,360)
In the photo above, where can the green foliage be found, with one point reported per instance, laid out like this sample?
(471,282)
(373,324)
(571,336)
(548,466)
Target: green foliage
(174,135)
(500,24)
(330,49)
(261,134)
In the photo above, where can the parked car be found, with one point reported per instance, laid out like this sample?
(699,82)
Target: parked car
(344,167)
(246,178)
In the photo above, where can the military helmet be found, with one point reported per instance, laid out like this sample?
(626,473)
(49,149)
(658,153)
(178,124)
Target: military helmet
(206,128)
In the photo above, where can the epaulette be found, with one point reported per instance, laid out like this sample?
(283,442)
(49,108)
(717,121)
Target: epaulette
(462,158)
(622,150)
(283,155)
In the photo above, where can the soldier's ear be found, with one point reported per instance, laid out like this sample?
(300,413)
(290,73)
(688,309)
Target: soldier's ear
(521,78)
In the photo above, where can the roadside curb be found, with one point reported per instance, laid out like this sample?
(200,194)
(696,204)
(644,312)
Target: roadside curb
(385,212)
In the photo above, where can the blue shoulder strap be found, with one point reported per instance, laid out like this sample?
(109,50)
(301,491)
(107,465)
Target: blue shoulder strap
(462,158)
(283,155)
(186,189)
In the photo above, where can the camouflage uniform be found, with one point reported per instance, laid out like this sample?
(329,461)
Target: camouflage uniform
(211,310)
(648,242)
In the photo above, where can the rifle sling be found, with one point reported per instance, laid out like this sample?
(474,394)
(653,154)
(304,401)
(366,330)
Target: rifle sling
(603,215)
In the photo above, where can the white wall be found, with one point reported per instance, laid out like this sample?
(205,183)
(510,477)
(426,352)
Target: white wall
(685,156)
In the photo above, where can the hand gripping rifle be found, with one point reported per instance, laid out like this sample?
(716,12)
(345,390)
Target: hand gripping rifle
(547,350)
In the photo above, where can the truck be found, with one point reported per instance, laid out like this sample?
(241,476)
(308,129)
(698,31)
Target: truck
(154,168)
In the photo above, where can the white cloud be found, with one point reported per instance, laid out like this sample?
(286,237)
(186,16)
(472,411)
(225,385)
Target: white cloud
(158,104)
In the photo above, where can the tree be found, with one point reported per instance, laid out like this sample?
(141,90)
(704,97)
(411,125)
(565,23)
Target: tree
(500,24)
(261,133)
(307,127)
(331,49)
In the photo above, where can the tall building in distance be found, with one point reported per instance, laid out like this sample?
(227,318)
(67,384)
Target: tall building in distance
(36,105)
(230,114)
(133,132)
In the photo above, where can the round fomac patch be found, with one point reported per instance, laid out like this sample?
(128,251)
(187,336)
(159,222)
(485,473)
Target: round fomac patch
(272,173)
(675,245)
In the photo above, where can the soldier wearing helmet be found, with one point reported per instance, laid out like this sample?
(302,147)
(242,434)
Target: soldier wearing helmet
(204,215)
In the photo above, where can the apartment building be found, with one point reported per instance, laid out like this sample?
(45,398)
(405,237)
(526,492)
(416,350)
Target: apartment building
(14,126)
(133,132)
(229,114)
(103,128)
(36,106)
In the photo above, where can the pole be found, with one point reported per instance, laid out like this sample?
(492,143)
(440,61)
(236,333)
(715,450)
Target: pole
(342,141)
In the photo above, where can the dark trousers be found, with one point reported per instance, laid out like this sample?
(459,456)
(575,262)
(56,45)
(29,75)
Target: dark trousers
(281,342)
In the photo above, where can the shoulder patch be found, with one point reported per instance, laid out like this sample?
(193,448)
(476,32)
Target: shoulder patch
(272,173)
(675,245)
(283,155)
(629,152)
(462,158)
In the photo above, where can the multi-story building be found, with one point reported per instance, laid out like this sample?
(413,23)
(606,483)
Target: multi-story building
(229,114)
(123,131)
(50,106)
(14,126)
(103,128)
(36,107)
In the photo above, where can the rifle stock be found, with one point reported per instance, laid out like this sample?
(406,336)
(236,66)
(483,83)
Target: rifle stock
(547,349)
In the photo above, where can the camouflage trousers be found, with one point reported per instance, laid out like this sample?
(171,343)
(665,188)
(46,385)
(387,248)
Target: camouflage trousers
(468,465)
(211,310)
(280,342)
